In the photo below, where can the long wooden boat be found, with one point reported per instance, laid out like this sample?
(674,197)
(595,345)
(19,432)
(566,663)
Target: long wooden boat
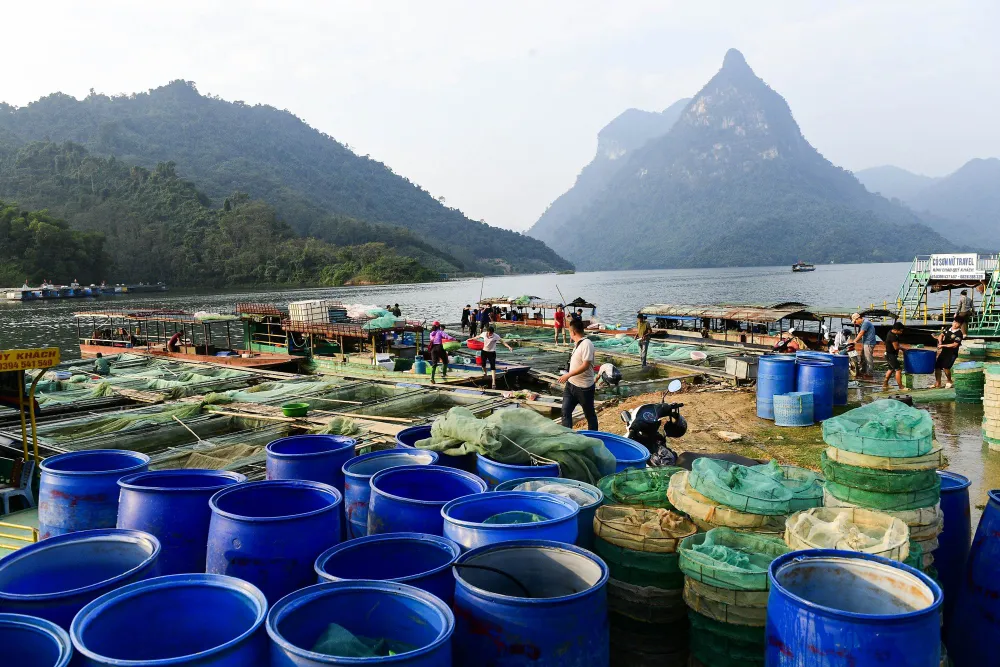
(535,311)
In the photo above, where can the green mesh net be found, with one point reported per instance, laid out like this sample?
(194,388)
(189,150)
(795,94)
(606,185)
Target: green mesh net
(657,351)
(880,481)
(883,428)
(716,650)
(639,568)
(119,421)
(742,634)
(728,559)
(647,604)
(740,487)
(643,487)
(712,602)
(970,381)
(848,529)
(805,485)
(907,500)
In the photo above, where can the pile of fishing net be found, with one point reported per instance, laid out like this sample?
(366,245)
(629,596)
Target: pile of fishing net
(380,319)
(578,494)
(726,589)
(848,529)
(521,437)
(645,589)
(883,457)
(640,487)
(624,344)
(118,422)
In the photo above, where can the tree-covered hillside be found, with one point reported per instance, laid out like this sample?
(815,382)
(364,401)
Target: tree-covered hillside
(305,175)
(35,246)
(159,227)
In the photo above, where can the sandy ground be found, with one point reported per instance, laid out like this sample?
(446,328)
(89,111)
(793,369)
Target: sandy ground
(711,410)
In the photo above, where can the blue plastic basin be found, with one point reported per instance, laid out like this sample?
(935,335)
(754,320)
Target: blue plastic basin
(585,519)
(26,641)
(357,481)
(627,452)
(408,499)
(464,518)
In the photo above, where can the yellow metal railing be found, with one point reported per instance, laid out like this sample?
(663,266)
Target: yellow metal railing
(30,538)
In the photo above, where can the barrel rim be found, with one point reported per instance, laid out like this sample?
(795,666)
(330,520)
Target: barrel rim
(99,534)
(303,596)
(621,439)
(43,626)
(590,488)
(837,554)
(538,544)
(342,440)
(515,466)
(468,476)
(131,482)
(296,483)
(139,456)
(411,452)
(806,361)
(962,482)
(552,498)
(776,357)
(438,540)
(118,595)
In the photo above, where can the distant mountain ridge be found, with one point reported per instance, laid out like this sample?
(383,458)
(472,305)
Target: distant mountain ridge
(893,182)
(733,183)
(313,181)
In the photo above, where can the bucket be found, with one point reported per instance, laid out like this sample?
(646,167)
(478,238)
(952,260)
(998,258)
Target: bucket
(408,499)
(26,641)
(415,559)
(203,620)
(953,540)
(919,361)
(409,437)
(775,375)
(532,602)
(795,408)
(465,519)
(173,506)
(417,624)
(53,579)
(851,609)
(841,371)
(315,458)
(270,533)
(357,481)
(79,490)
(584,520)
(627,452)
(494,472)
(816,377)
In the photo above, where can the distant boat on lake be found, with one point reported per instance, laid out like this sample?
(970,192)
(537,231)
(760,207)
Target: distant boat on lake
(802,267)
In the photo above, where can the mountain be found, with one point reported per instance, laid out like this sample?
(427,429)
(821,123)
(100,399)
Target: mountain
(893,182)
(618,139)
(970,197)
(734,183)
(313,181)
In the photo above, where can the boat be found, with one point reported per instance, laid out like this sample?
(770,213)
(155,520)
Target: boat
(802,267)
(534,311)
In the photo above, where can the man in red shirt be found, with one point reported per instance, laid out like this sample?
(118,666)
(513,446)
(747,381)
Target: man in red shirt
(560,324)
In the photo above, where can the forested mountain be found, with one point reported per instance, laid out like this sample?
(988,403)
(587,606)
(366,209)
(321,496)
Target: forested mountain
(150,225)
(312,180)
(734,183)
(893,182)
(615,142)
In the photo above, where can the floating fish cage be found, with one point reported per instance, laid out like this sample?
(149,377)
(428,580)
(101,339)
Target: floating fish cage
(426,404)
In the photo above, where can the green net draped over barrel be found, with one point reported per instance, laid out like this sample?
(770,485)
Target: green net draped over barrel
(879,481)
(740,487)
(883,428)
(906,500)
(643,487)
(723,557)
(805,485)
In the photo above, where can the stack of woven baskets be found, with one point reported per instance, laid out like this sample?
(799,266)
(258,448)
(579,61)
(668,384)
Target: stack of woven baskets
(969,381)
(882,457)
(991,406)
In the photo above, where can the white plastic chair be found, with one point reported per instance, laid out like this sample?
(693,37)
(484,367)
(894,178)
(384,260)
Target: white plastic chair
(21,475)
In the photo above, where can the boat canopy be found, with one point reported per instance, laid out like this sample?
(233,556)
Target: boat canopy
(735,312)
(168,316)
(536,302)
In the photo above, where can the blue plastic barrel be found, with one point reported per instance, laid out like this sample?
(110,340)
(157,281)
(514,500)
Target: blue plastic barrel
(953,541)
(418,625)
(26,641)
(488,518)
(775,375)
(851,609)
(975,611)
(415,559)
(495,473)
(408,499)
(79,490)
(794,409)
(203,620)
(173,506)
(919,361)
(841,371)
(627,452)
(357,481)
(270,533)
(53,579)
(409,437)
(531,603)
(315,458)
(816,377)
(585,519)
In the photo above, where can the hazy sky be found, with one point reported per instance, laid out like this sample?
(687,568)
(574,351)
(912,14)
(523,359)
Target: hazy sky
(496,106)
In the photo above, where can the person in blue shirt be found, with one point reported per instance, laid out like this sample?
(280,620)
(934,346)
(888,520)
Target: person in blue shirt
(866,339)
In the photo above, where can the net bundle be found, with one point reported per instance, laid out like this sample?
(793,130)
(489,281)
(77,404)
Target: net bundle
(642,487)
(848,529)
(708,514)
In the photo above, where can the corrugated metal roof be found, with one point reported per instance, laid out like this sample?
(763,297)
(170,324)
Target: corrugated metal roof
(739,313)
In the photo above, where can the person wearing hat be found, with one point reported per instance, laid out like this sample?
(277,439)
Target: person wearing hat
(643,332)
(866,338)
(964,311)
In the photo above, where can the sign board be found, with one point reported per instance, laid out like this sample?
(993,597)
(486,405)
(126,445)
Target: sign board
(963,266)
(23,360)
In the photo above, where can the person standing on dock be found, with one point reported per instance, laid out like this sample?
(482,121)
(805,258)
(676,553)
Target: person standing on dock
(947,352)
(579,380)
(489,353)
(964,311)
(473,322)
(642,335)
(866,339)
(560,323)
(438,353)
(465,318)
(892,351)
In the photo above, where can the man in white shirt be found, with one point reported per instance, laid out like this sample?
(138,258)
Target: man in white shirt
(579,380)
(488,356)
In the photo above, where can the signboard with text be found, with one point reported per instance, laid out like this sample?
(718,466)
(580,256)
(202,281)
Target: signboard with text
(962,266)
(23,360)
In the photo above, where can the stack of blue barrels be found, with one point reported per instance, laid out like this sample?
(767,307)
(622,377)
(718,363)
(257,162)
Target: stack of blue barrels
(801,390)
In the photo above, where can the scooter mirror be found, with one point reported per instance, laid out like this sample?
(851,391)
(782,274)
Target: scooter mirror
(674,386)
(624,416)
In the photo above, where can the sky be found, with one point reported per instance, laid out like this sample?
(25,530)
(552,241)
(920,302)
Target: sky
(496,106)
